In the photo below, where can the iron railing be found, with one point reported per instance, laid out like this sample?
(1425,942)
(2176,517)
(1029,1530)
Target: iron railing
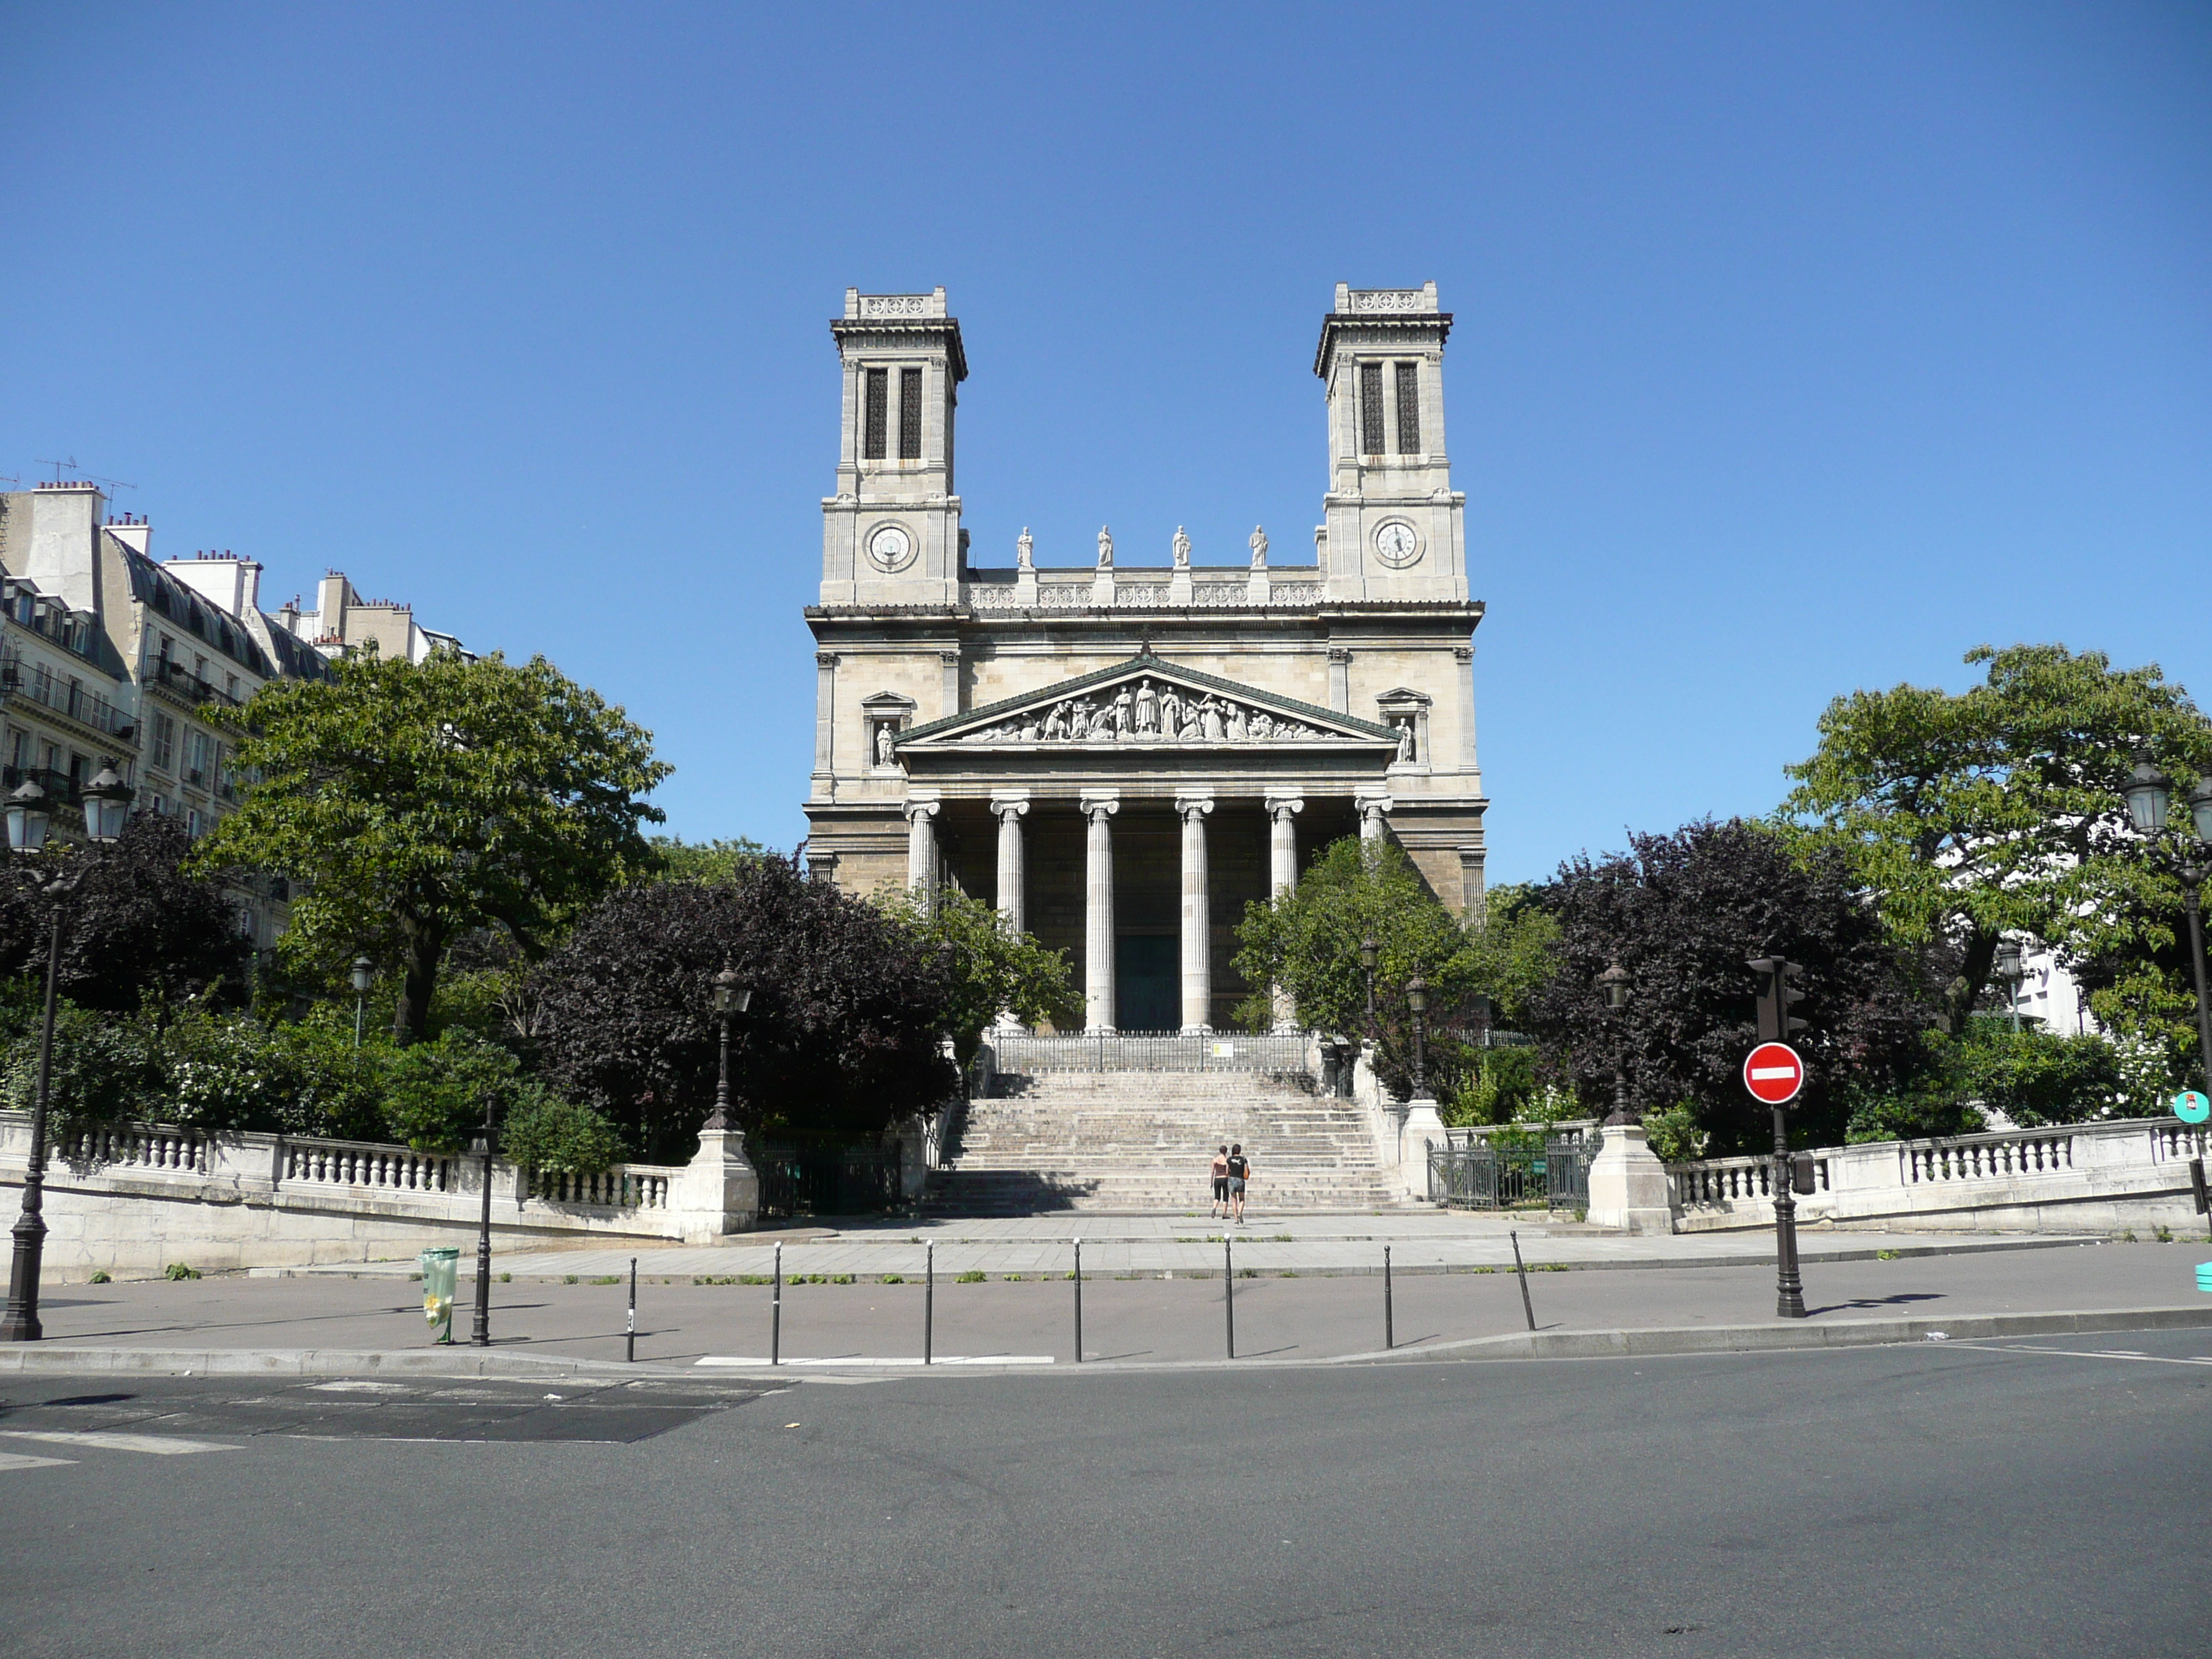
(1163,1051)
(824,1178)
(1554,1177)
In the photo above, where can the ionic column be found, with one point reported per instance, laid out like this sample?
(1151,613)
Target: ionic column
(1099,806)
(1197,917)
(825,712)
(921,851)
(1282,877)
(1010,806)
(1374,812)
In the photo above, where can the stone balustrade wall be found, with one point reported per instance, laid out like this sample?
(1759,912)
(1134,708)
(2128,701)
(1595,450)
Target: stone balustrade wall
(132,1199)
(2131,1174)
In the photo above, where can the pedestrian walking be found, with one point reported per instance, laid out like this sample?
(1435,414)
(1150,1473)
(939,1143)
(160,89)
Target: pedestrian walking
(1220,1177)
(1240,1171)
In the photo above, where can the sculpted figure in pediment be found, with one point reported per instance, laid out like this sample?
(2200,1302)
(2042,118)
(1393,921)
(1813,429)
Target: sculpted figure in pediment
(1147,711)
(1171,711)
(1078,720)
(1236,722)
(1055,723)
(1123,701)
(1210,721)
(1263,724)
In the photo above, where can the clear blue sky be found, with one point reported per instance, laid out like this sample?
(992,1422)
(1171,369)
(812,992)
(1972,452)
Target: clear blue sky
(1799,346)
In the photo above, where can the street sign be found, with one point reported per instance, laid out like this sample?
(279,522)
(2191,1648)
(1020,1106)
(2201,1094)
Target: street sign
(1773,1074)
(2191,1107)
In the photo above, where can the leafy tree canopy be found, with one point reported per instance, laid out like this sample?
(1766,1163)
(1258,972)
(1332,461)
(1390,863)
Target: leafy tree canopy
(137,926)
(1999,809)
(842,1037)
(1682,914)
(990,969)
(678,859)
(415,801)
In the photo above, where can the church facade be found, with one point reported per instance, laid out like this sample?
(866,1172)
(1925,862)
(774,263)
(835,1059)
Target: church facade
(1121,756)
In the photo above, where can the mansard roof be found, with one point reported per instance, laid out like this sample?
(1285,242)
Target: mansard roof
(975,724)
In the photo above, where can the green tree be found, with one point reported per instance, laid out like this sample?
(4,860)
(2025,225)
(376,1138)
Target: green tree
(993,968)
(1307,940)
(715,862)
(413,802)
(1998,810)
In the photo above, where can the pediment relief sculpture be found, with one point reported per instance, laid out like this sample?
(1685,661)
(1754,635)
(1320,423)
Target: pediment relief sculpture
(1152,709)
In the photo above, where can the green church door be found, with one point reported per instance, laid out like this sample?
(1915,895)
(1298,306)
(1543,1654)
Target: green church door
(1147,984)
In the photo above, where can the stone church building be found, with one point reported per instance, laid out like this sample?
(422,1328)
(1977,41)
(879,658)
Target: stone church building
(1123,757)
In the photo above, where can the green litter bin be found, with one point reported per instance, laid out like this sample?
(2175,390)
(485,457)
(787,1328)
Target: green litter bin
(440,1269)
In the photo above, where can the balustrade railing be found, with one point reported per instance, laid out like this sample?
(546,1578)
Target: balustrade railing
(134,1146)
(1734,1180)
(1141,595)
(363,1163)
(1165,1051)
(625,1187)
(1986,1158)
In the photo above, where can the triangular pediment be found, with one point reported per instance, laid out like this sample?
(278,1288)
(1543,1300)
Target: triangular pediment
(1147,702)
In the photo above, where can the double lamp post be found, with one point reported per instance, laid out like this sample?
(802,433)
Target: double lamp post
(2150,795)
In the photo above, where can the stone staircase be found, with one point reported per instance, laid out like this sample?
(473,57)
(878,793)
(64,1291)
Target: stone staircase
(1141,1142)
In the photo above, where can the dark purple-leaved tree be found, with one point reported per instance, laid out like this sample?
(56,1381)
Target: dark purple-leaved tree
(843,1036)
(135,924)
(1681,913)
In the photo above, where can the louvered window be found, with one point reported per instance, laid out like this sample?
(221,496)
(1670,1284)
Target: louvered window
(910,413)
(875,419)
(1372,439)
(1409,408)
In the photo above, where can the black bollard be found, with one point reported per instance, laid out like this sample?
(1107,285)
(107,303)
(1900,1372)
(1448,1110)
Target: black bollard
(1079,1302)
(1229,1292)
(928,1302)
(1389,1328)
(775,1313)
(629,1331)
(1526,1306)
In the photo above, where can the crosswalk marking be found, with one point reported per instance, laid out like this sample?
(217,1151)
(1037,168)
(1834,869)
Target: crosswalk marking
(18,1460)
(161,1445)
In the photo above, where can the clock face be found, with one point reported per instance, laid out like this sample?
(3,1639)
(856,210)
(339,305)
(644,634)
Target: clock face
(890,547)
(1396,544)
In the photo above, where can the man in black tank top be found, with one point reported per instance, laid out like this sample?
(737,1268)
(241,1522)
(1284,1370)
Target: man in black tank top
(1240,1171)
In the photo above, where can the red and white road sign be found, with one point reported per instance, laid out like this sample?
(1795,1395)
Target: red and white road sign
(1774,1074)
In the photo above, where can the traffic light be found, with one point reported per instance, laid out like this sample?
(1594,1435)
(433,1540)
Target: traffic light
(1778,992)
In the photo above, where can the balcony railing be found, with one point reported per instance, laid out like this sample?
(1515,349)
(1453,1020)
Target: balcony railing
(175,676)
(61,788)
(21,679)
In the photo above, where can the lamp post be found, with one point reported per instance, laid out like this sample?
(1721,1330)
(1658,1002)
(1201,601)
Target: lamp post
(2008,967)
(1417,999)
(1371,950)
(364,975)
(732,996)
(2149,799)
(106,805)
(1615,983)
(480,1328)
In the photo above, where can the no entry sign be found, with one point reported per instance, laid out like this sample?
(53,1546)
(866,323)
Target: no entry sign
(1773,1074)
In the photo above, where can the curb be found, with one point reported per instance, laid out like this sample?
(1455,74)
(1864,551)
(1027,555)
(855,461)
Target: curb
(61,1359)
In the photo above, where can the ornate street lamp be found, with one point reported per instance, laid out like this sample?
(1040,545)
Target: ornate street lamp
(1371,951)
(2009,968)
(1615,984)
(487,1144)
(106,805)
(364,975)
(2150,796)
(1417,999)
(732,996)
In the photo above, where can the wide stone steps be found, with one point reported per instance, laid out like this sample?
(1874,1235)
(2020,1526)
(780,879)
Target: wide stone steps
(1143,1142)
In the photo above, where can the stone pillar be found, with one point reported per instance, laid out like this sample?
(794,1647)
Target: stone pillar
(1197,918)
(1340,679)
(717,1193)
(1374,812)
(1282,875)
(949,662)
(921,850)
(1628,1186)
(1009,806)
(1099,806)
(825,712)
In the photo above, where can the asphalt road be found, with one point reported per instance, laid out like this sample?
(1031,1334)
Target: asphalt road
(2023,1497)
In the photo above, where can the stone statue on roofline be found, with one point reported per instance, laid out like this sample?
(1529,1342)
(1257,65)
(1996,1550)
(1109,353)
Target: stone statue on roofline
(1259,546)
(1105,548)
(1182,550)
(1024,550)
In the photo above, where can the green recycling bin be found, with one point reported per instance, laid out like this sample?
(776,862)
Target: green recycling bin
(440,1269)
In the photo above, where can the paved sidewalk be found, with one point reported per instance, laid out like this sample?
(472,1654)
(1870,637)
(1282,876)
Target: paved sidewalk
(1309,1245)
(1144,1320)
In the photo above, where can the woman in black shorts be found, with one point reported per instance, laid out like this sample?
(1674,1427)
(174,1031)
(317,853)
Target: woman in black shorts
(1221,1176)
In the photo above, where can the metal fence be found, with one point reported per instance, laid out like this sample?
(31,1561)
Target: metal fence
(1554,1177)
(1164,1051)
(821,1178)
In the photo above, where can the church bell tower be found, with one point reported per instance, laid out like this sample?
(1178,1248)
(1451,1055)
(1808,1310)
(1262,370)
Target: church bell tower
(1395,526)
(891,534)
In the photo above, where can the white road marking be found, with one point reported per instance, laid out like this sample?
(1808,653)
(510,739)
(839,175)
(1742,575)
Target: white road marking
(2085,1354)
(161,1445)
(17,1460)
(359,1388)
(941,1359)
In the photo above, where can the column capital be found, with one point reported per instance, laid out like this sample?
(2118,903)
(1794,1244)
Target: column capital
(1015,802)
(1339,653)
(922,809)
(1462,653)
(825,659)
(1189,807)
(1100,803)
(1374,802)
(1282,807)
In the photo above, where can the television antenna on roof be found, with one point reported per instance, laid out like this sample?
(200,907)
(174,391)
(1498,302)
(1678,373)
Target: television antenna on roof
(70,465)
